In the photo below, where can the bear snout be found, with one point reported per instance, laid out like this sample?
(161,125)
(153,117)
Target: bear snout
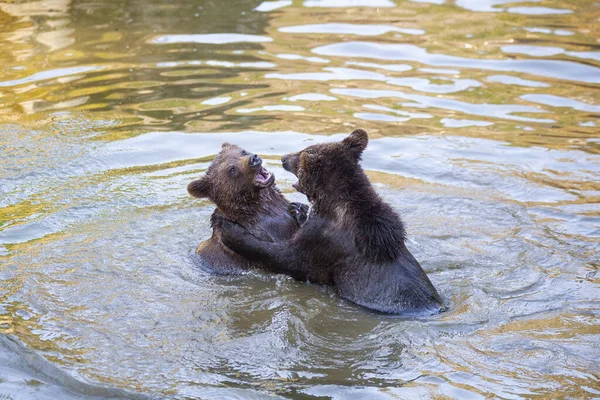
(290,163)
(255,161)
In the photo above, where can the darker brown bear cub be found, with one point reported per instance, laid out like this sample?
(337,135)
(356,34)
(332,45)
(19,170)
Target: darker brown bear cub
(245,193)
(351,240)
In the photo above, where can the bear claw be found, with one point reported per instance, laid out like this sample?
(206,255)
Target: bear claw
(299,212)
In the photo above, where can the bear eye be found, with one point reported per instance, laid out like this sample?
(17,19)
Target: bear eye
(232,170)
(244,153)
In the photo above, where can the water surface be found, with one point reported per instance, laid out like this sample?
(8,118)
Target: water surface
(483,118)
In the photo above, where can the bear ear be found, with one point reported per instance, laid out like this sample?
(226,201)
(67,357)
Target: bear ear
(199,188)
(357,140)
(225,145)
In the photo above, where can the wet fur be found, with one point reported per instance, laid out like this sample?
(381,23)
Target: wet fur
(352,239)
(261,211)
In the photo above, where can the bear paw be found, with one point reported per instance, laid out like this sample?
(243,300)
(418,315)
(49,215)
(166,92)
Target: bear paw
(232,234)
(299,212)
(241,241)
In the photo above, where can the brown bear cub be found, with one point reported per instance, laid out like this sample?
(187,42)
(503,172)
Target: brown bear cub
(351,240)
(244,192)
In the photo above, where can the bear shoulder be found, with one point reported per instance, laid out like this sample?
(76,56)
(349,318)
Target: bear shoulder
(379,232)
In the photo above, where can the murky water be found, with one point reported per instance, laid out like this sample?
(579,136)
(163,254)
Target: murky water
(483,117)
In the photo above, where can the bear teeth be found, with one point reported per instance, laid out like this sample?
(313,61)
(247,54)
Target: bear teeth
(263,176)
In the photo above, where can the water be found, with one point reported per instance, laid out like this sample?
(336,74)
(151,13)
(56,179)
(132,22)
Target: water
(483,118)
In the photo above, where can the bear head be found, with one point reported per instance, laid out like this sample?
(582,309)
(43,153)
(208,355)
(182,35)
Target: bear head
(330,176)
(233,181)
(328,167)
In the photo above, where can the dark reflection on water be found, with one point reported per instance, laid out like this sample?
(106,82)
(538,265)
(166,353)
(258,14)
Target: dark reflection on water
(484,136)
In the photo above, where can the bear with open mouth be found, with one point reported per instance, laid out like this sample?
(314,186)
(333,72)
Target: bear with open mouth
(352,240)
(244,192)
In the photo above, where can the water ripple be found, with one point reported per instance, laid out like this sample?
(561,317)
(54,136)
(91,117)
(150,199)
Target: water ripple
(211,38)
(350,29)
(486,110)
(50,74)
(483,123)
(567,70)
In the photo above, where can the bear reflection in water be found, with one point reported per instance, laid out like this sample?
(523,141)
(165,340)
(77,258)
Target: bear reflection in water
(245,193)
(352,240)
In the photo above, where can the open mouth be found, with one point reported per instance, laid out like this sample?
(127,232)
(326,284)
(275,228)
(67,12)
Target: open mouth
(264,178)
